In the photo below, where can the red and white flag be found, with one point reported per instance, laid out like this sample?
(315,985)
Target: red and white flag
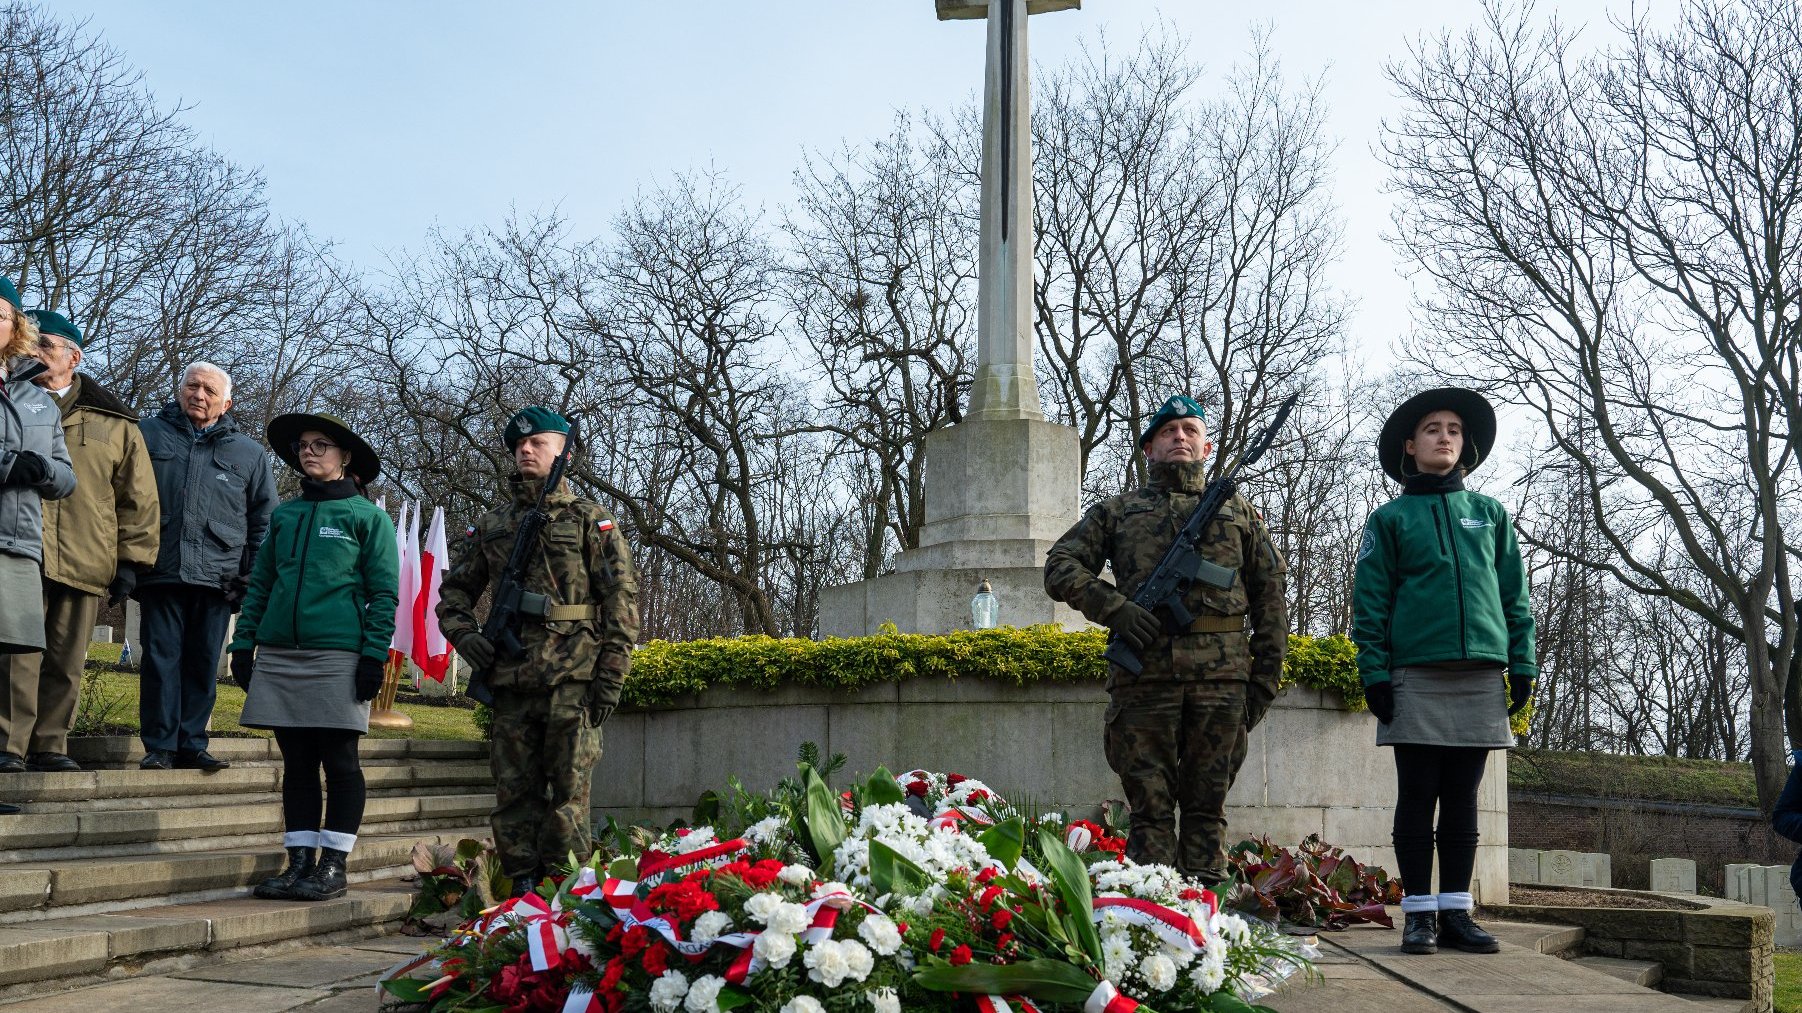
(431,652)
(409,584)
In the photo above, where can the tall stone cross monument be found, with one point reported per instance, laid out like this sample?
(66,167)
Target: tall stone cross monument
(1003,484)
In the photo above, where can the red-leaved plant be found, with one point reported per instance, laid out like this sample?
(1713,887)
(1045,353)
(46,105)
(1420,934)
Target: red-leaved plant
(1317,885)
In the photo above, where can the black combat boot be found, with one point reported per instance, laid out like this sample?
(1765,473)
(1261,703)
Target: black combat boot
(1420,934)
(281,886)
(327,878)
(1457,931)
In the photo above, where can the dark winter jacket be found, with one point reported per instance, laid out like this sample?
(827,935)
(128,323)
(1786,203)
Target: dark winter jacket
(29,423)
(1786,819)
(1439,578)
(327,577)
(216,496)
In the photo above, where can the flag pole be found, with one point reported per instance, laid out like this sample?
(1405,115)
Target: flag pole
(382,713)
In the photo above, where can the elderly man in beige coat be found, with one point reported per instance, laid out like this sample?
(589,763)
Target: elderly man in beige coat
(95,541)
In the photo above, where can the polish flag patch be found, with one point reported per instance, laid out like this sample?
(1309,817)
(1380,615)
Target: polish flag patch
(469,532)
(604,525)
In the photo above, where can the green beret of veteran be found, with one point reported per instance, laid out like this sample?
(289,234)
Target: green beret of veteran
(536,419)
(52,322)
(9,293)
(1180,406)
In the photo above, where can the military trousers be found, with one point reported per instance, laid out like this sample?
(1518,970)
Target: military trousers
(1177,746)
(543,759)
(37,707)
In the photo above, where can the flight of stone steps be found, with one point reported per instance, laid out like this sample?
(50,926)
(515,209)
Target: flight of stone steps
(115,869)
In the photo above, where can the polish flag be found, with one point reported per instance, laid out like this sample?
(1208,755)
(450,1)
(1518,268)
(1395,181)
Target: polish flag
(406,536)
(431,652)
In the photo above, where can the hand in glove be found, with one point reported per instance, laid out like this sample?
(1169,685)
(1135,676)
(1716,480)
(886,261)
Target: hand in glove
(1380,698)
(602,696)
(1520,690)
(1136,625)
(235,586)
(29,468)
(1258,699)
(476,650)
(125,581)
(369,677)
(243,665)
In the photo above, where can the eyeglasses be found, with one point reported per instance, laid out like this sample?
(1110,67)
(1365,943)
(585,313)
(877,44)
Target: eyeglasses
(313,446)
(50,344)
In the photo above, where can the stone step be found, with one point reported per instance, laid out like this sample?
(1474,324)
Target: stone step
(1551,940)
(101,784)
(1707,1004)
(125,751)
(225,800)
(34,956)
(52,889)
(197,826)
(1647,973)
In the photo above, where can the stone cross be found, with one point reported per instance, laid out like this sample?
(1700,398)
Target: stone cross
(1004,385)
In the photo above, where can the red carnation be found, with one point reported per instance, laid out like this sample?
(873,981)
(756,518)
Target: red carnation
(1190,894)
(936,940)
(960,956)
(916,789)
(987,875)
(987,899)
(656,960)
(953,780)
(1001,917)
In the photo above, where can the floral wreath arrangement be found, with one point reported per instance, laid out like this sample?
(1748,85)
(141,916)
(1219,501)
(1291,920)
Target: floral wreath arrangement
(926,891)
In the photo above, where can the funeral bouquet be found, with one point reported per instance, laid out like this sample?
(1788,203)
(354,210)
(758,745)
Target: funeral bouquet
(923,892)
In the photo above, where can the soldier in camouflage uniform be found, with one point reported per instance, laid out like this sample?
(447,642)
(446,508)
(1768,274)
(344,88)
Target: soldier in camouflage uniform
(1176,733)
(549,705)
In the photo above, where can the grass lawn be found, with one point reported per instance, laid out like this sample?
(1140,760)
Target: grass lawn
(116,705)
(1789,981)
(1604,775)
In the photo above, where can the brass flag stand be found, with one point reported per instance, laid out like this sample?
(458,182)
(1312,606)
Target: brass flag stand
(382,713)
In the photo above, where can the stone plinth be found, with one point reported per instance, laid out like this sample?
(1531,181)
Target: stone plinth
(1312,767)
(999,492)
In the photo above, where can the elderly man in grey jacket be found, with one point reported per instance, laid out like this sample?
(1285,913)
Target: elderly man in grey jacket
(216,493)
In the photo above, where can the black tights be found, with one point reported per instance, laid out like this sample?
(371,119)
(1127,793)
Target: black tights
(1446,776)
(304,752)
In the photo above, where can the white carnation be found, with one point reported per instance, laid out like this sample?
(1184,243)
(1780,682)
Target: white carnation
(884,999)
(803,1004)
(761,904)
(695,840)
(776,948)
(667,991)
(795,875)
(826,963)
(858,959)
(765,830)
(881,933)
(1159,972)
(788,917)
(1208,977)
(704,994)
(711,925)
(828,889)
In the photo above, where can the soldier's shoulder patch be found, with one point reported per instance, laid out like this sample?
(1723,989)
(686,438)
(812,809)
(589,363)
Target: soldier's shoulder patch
(469,532)
(604,524)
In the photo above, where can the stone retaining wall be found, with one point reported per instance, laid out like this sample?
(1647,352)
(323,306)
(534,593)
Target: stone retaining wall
(1312,767)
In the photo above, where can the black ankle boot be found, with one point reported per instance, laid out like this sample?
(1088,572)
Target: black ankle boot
(281,887)
(1420,933)
(327,878)
(1457,931)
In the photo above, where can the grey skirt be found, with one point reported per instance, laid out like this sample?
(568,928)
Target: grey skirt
(21,605)
(299,688)
(1438,705)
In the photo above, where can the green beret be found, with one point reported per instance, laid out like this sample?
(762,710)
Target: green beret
(10,294)
(52,322)
(1180,406)
(536,419)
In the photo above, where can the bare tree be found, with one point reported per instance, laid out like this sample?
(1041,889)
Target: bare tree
(1611,241)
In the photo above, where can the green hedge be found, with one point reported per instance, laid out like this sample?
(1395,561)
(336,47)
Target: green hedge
(662,670)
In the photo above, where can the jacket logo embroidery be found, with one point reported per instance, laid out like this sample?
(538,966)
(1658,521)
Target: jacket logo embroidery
(35,408)
(327,531)
(1474,522)
(223,477)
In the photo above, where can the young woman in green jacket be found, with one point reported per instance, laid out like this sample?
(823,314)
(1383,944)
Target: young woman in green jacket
(312,641)
(1442,620)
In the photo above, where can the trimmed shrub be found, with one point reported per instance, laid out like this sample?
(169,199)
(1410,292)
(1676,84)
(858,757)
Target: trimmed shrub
(663,671)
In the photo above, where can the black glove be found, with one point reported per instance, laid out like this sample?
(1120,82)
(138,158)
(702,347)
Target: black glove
(1258,699)
(235,586)
(476,650)
(125,581)
(602,696)
(1135,625)
(369,677)
(243,665)
(29,468)
(1380,698)
(1520,690)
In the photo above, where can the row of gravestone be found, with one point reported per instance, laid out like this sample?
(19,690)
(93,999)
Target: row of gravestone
(1768,886)
(1764,885)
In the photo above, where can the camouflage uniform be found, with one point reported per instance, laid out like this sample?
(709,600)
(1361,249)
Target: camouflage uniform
(549,705)
(1176,733)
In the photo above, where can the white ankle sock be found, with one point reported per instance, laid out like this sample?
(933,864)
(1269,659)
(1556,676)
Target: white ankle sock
(300,839)
(1414,904)
(337,841)
(1456,901)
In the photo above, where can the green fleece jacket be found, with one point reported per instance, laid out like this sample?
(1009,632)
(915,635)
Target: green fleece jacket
(1439,578)
(327,576)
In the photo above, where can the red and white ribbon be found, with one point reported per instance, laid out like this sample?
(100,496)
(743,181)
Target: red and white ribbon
(1001,1004)
(546,936)
(1107,999)
(652,871)
(1172,927)
(581,1000)
(950,815)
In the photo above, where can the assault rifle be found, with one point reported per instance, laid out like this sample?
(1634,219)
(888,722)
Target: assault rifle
(512,601)
(1182,566)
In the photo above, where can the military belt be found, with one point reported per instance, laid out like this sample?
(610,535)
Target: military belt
(1218,624)
(568,613)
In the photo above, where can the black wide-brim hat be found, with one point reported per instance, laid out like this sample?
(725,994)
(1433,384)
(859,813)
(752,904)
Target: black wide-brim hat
(284,430)
(1472,409)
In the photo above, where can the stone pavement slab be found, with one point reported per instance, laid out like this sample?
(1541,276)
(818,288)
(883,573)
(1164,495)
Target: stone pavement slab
(170,995)
(1354,996)
(311,968)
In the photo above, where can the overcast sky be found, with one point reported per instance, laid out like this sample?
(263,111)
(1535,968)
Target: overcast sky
(374,120)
